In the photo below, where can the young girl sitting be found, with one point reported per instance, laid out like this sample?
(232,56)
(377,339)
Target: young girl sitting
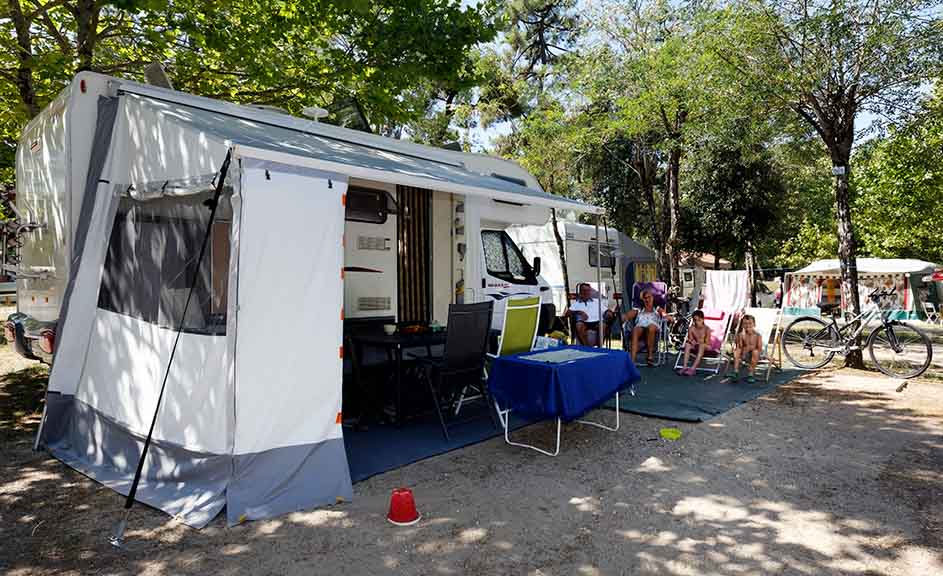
(699,338)
(748,342)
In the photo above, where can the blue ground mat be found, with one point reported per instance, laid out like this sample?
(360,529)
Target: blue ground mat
(383,447)
(665,394)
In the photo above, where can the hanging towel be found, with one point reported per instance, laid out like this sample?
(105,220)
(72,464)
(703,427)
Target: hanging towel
(727,289)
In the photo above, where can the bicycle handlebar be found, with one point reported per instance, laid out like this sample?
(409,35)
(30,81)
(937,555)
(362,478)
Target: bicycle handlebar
(879,293)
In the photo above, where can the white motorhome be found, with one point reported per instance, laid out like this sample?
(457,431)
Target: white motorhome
(424,226)
(618,259)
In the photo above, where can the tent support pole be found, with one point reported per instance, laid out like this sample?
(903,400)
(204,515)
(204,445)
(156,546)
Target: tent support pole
(117,537)
(602,324)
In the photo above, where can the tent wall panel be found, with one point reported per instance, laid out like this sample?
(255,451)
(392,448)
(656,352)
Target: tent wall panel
(289,448)
(123,373)
(183,483)
(163,145)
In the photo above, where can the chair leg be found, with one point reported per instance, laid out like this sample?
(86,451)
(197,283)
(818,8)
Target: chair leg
(489,401)
(438,408)
(461,399)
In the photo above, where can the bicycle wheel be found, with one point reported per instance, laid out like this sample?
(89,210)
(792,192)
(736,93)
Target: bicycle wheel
(807,342)
(900,350)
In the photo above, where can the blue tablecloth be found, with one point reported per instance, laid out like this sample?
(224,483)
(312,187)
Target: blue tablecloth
(538,389)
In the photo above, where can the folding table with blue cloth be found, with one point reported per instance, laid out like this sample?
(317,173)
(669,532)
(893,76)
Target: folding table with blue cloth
(559,383)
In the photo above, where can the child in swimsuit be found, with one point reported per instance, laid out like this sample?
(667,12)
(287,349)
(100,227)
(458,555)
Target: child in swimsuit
(699,338)
(749,342)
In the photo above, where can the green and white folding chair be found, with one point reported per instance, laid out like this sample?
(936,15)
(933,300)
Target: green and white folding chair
(518,334)
(519,327)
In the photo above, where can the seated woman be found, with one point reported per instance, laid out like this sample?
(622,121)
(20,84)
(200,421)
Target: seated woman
(648,323)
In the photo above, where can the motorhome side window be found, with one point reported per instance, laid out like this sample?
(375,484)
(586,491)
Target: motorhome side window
(606,261)
(504,260)
(152,262)
(366,205)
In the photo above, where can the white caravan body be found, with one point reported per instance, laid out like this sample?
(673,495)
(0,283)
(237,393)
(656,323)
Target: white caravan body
(305,227)
(56,149)
(619,256)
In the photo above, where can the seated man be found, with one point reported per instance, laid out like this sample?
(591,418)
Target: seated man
(648,322)
(585,311)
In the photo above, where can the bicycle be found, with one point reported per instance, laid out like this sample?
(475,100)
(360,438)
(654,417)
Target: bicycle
(680,319)
(898,349)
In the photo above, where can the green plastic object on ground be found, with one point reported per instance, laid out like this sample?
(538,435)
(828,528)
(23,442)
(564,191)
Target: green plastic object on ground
(670,433)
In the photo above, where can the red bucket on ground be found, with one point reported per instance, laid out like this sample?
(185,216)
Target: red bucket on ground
(403,508)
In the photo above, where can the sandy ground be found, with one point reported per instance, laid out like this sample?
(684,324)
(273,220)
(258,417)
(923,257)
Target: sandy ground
(834,474)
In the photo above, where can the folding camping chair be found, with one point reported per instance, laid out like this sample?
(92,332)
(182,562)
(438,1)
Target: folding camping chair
(519,326)
(933,316)
(767,322)
(719,323)
(462,365)
(518,331)
(659,292)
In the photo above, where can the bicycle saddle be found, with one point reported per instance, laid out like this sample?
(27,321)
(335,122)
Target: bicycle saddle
(829,307)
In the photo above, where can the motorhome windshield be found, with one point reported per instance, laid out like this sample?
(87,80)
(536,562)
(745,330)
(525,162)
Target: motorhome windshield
(504,259)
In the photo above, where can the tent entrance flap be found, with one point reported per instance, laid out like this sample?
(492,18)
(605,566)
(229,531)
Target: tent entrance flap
(289,447)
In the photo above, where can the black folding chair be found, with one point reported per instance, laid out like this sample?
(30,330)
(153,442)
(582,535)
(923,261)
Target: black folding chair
(461,367)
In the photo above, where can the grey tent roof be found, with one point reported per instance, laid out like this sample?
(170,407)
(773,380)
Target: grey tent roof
(239,125)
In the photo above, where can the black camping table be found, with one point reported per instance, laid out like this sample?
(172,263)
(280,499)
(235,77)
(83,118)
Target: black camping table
(394,345)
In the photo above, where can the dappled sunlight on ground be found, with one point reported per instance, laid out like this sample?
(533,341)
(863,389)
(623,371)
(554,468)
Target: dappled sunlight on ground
(832,474)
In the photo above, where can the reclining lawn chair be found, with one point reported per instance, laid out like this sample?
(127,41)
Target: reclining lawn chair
(461,367)
(719,323)
(767,326)
(659,292)
(519,330)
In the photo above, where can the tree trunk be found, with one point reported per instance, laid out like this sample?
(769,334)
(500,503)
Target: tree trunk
(562,251)
(847,246)
(87,13)
(674,208)
(439,138)
(751,272)
(24,72)
(717,254)
(658,242)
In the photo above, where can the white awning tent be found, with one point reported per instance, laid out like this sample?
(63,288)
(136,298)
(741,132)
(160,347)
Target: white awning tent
(251,415)
(870,266)
(820,281)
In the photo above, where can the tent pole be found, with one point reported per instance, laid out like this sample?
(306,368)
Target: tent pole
(599,287)
(117,537)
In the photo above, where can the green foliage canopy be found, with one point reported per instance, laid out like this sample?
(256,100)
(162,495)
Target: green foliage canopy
(899,189)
